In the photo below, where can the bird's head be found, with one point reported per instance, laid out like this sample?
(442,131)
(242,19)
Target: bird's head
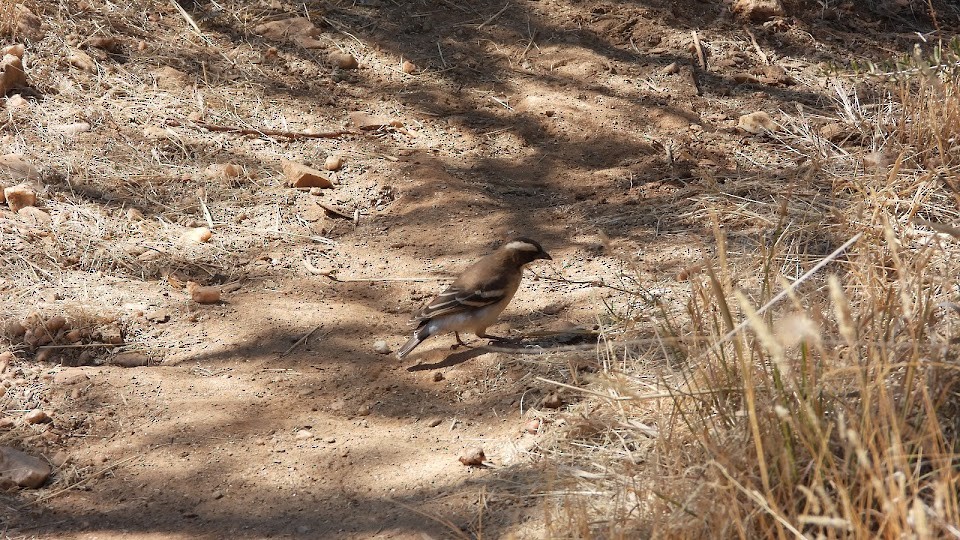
(525,250)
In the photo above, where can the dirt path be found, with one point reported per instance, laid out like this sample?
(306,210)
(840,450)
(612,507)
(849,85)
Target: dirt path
(588,128)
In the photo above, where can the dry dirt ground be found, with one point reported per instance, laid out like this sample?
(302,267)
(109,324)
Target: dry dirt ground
(590,126)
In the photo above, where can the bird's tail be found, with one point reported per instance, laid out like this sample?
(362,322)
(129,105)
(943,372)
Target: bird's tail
(420,334)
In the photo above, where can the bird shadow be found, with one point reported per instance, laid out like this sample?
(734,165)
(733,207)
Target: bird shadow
(512,346)
(451,360)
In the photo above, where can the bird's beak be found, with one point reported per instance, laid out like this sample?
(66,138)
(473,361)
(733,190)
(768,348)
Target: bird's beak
(546,256)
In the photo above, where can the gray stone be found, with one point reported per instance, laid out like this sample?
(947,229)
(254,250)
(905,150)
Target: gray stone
(22,469)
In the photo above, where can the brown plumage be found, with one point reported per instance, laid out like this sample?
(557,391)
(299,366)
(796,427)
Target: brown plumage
(475,300)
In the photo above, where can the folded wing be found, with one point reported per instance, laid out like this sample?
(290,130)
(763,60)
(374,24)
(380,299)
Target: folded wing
(461,297)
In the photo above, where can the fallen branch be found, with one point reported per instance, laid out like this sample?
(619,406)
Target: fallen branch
(300,341)
(495,15)
(262,132)
(756,46)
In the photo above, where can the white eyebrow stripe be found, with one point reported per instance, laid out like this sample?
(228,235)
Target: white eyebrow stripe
(521,246)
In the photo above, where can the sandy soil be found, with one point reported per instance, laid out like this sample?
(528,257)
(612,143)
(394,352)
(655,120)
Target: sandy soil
(588,126)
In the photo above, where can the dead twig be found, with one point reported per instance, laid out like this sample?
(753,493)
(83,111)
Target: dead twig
(300,341)
(494,17)
(700,56)
(263,132)
(93,476)
(202,196)
(756,46)
(389,279)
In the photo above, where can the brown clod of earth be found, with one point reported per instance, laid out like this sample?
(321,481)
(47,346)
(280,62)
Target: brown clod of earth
(302,176)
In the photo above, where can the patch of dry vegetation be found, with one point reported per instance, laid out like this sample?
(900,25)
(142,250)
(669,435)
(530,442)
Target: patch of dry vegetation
(826,410)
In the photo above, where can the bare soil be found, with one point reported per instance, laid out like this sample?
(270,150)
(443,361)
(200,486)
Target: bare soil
(561,121)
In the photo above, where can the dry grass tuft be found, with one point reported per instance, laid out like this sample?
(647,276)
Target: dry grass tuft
(828,411)
(9,19)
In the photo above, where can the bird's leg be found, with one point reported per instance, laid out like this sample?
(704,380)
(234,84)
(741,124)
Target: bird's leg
(459,342)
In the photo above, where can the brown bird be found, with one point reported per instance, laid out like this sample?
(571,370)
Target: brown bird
(478,297)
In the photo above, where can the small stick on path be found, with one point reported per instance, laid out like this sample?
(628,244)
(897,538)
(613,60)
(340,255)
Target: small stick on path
(300,341)
(263,132)
(700,56)
(495,15)
(756,46)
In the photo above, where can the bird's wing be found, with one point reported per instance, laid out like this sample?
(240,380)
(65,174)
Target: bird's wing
(466,295)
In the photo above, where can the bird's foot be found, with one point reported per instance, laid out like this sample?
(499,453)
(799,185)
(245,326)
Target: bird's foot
(499,339)
(459,343)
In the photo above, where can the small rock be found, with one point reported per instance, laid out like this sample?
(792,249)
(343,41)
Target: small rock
(437,376)
(150,255)
(22,469)
(758,10)
(223,171)
(35,216)
(20,196)
(16,169)
(12,74)
(330,440)
(408,67)
(301,176)
(155,133)
(366,121)
(203,295)
(28,24)
(71,129)
(473,457)
(158,316)
(671,68)
(363,410)
(217,495)
(435,422)
(303,435)
(6,357)
(344,60)
(16,49)
(773,74)
(333,163)
(15,103)
(82,60)
(7,422)
(299,30)
(553,401)
(130,359)
(836,132)
(756,123)
(685,274)
(55,324)
(70,376)
(111,334)
(533,426)
(197,235)
(381,347)
(170,78)
(107,43)
(37,416)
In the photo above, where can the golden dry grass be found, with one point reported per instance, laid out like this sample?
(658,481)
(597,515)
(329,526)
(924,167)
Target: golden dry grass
(828,410)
